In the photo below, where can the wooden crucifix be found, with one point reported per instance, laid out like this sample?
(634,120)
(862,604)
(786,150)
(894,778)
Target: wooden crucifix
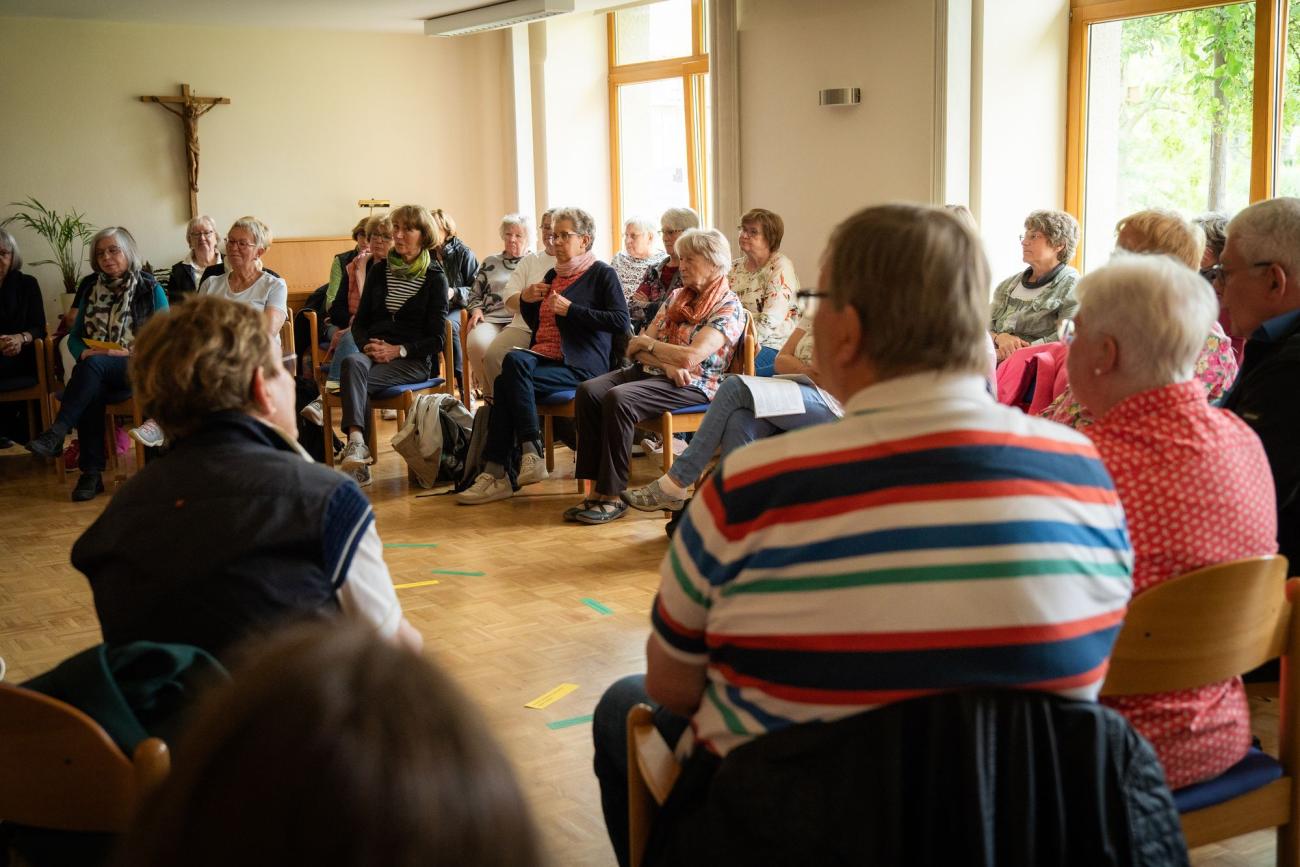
(189,109)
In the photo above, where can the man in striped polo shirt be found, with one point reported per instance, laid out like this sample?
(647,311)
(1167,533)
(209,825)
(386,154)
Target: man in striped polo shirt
(930,540)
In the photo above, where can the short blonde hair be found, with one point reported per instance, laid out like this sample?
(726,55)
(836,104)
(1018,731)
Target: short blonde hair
(707,243)
(1059,228)
(918,279)
(1158,311)
(378,223)
(769,223)
(417,217)
(198,358)
(260,231)
(1159,231)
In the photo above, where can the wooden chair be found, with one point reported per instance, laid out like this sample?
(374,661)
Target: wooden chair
(37,393)
(1204,627)
(652,770)
(689,418)
(319,361)
(466,374)
(399,397)
(60,770)
(286,334)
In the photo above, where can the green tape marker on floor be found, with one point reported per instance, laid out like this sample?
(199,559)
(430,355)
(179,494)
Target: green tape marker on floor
(410,545)
(566,723)
(451,572)
(597,607)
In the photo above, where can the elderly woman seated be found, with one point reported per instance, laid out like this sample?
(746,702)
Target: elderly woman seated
(1194,480)
(637,256)
(399,326)
(187,274)
(1029,306)
(235,530)
(122,298)
(486,310)
(1162,232)
(574,314)
(681,357)
(766,284)
(730,423)
(22,322)
(663,277)
(245,280)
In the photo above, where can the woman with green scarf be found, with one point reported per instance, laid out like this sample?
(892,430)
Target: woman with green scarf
(399,327)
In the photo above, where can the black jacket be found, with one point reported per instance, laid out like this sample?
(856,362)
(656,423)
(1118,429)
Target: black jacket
(597,315)
(21,309)
(180,281)
(461,267)
(1267,397)
(1005,778)
(418,324)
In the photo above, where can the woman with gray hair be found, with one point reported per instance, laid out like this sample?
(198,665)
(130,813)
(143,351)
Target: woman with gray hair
(1029,306)
(681,358)
(662,278)
(636,257)
(22,321)
(119,302)
(1193,479)
(187,274)
(574,314)
(245,280)
(486,309)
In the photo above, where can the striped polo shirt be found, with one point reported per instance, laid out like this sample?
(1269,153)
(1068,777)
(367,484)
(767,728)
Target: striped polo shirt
(931,539)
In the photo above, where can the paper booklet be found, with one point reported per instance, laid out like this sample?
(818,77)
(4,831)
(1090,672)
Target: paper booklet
(780,394)
(100,344)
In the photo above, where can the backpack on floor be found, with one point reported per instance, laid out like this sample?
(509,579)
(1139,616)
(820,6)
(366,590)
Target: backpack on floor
(434,438)
(473,459)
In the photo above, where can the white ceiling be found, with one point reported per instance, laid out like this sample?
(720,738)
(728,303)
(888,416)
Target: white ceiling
(389,16)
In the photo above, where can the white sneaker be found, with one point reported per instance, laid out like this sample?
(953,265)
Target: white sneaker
(333,385)
(355,455)
(388,414)
(149,434)
(652,445)
(532,469)
(314,412)
(679,444)
(486,489)
(361,475)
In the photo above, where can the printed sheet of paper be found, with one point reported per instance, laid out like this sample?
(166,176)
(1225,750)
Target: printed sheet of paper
(774,395)
(100,344)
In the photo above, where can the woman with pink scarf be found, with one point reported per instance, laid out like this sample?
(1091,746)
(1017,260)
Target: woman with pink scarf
(575,312)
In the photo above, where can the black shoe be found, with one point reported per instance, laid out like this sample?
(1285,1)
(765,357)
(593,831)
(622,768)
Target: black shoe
(6,443)
(87,487)
(47,445)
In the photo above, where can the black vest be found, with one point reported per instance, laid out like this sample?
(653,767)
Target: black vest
(222,537)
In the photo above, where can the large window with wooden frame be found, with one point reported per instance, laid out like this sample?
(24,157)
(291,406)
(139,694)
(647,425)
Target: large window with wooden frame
(1193,106)
(658,110)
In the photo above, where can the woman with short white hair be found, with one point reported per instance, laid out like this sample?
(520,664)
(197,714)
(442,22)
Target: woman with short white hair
(637,254)
(245,280)
(664,277)
(1193,479)
(486,309)
(187,274)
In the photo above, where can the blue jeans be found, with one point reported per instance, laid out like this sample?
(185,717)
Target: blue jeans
(93,381)
(346,346)
(730,424)
(609,731)
(524,378)
(765,361)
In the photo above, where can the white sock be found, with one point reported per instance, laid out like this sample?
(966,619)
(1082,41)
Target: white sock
(671,488)
(356,437)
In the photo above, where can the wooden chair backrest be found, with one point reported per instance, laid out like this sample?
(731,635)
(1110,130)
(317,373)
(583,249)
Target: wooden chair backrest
(1203,627)
(286,335)
(742,360)
(59,769)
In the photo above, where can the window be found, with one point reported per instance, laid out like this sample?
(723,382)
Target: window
(1287,177)
(1175,106)
(659,112)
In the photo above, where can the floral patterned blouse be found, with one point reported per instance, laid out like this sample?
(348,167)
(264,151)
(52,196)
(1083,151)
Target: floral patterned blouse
(769,295)
(632,271)
(728,318)
(1216,369)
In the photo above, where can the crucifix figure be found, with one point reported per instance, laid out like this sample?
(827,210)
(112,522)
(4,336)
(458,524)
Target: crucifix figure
(189,109)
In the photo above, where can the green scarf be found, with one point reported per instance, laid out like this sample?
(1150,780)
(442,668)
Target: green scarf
(415,271)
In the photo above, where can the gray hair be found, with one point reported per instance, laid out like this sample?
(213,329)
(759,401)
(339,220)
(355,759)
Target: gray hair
(7,242)
(198,221)
(549,212)
(1215,227)
(124,240)
(260,231)
(641,224)
(680,219)
(1270,231)
(1060,229)
(708,243)
(517,220)
(582,222)
(1158,310)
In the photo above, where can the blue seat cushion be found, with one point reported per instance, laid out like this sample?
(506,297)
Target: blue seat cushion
(14,383)
(699,407)
(1255,771)
(394,390)
(557,398)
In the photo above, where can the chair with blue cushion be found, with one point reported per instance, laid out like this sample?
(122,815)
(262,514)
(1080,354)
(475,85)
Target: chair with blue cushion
(1204,627)
(399,397)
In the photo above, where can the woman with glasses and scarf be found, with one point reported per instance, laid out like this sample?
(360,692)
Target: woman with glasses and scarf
(119,302)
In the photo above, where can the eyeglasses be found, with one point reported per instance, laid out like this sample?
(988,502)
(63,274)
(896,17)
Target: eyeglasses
(667,232)
(194,236)
(1220,274)
(108,251)
(563,237)
(1030,237)
(749,231)
(1065,331)
(379,236)
(290,363)
(804,298)
(242,245)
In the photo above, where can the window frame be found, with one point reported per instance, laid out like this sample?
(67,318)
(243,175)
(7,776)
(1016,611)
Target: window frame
(1270,47)
(690,70)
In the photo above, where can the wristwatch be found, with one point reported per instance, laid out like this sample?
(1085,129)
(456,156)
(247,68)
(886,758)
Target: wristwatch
(401,352)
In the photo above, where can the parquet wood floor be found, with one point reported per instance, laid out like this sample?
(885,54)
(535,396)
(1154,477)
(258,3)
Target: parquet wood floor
(507,635)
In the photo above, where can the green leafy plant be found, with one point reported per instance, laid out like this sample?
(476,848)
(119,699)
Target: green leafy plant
(67,234)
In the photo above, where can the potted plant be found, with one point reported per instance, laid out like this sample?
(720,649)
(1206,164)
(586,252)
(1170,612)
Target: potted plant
(67,234)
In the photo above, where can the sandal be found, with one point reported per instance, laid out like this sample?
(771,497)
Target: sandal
(652,498)
(602,512)
(571,515)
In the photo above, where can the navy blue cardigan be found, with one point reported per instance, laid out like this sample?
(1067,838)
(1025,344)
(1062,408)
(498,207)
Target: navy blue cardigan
(597,312)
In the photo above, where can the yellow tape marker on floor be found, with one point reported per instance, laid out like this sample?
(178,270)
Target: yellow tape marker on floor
(552,696)
(415,584)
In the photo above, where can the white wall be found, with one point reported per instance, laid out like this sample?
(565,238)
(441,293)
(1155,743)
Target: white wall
(318,120)
(815,166)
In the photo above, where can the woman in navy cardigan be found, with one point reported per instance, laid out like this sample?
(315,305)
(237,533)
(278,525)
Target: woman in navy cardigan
(575,314)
